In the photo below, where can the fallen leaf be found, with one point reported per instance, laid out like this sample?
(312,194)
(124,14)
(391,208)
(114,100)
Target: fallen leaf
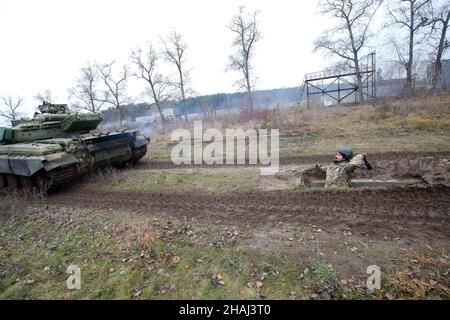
(175,259)
(433,283)
(389,296)
(218,280)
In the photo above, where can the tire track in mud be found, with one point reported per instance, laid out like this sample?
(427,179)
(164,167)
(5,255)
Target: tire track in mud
(410,210)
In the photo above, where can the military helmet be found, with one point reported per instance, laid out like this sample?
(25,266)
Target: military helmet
(346,152)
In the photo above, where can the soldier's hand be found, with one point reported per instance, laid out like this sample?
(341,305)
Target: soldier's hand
(368,165)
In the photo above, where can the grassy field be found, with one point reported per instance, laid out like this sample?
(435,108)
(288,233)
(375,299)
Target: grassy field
(156,180)
(137,257)
(140,259)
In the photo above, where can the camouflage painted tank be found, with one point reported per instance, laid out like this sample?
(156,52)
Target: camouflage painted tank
(57,146)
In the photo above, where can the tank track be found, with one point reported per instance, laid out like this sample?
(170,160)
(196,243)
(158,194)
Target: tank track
(43,181)
(40,182)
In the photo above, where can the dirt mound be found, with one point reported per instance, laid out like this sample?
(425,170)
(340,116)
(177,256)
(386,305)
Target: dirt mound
(431,171)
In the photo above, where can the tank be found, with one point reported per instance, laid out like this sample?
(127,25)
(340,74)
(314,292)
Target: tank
(57,146)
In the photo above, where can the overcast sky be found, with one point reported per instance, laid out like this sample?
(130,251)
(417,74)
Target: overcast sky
(46,42)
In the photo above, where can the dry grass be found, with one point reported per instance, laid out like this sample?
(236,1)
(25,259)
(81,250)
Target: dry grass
(426,276)
(414,124)
(135,233)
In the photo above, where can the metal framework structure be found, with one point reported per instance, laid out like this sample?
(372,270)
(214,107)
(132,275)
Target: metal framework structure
(340,85)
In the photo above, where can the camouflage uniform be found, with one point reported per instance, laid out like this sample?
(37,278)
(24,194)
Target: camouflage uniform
(47,107)
(339,174)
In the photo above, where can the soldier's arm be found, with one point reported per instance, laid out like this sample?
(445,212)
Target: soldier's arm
(359,161)
(316,172)
(321,168)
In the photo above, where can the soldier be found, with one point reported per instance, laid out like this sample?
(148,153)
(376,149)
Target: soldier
(339,173)
(47,107)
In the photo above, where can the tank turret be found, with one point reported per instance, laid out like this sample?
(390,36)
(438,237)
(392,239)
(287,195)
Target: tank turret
(53,121)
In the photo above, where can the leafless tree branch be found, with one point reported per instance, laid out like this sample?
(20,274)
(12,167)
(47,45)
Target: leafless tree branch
(351,34)
(146,64)
(47,96)
(86,90)
(246,32)
(115,93)
(10,108)
(174,49)
(412,15)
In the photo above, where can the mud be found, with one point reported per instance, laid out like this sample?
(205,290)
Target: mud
(422,213)
(429,171)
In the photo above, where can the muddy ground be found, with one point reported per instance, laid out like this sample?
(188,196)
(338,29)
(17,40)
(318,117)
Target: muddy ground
(414,211)
(303,223)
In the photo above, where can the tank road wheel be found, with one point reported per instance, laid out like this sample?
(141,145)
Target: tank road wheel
(2,181)
(27,183)
(138,154)
(42,183)
(12,182)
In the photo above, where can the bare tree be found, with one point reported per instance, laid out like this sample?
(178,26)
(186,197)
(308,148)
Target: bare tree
(85,91)
(146,64)
(246,33)
(412,15)
(351,34)
(46,96)
(441,18)
(115,92)
(11,108)
(389,70)
(174,53)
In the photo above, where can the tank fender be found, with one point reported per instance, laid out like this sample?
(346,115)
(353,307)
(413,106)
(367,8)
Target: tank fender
(21,165)
(140,141)
(54,161)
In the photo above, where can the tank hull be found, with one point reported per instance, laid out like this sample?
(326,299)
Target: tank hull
(49,162)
